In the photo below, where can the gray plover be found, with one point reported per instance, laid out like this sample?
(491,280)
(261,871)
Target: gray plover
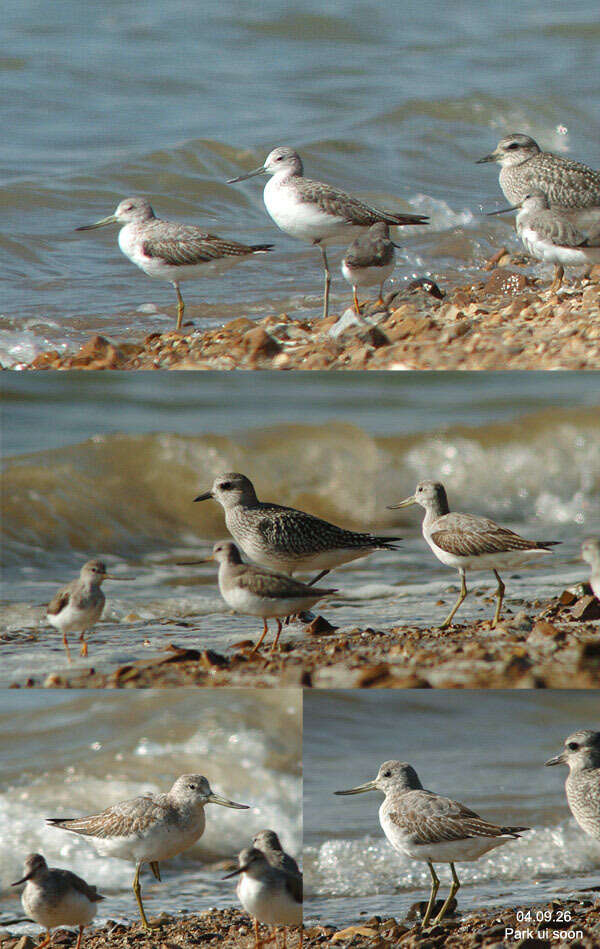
(524,168)
(270,894)
(564,237)
(426,826)
(314,211)
(369,260)
(282,538)
(151,827)
(55,897)
(582,756)
(78,605)
(258,592)
(169,251)
(590,552)
(269,843)
(467,542)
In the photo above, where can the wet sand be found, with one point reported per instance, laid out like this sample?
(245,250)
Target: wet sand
(553,644)
(506,320)
(571,923)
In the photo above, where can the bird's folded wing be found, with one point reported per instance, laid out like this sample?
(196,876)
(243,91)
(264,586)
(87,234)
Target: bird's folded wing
(433,819)
(466,536)
(192,248)
(59,601)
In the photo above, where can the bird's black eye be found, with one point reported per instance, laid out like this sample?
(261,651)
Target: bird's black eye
(387,774)
(513,145)
(572,746)
(226,486)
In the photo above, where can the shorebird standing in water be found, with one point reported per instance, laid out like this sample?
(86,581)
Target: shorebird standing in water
(525,168)
(582,756)
(269,893)
(78,605)
(369,261)
(467,542)
(284,539)
(590,552)
(254,591)
(151,827)
(314,211)
(426,826)
(170,251)
(55,897)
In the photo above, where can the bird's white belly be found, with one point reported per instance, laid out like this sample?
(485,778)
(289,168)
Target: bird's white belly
(301,219)
(443,852)
(71,619)
(553,254)
(367,276)
(275,908)
(73,910)
(247,603)
(160,842)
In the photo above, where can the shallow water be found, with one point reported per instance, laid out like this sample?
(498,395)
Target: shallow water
(485,749)
(394,103)
(121,457)
(78,753)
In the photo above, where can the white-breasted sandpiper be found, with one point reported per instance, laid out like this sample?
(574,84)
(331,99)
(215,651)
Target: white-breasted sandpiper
(170,251)
(313,211)
(468,542)
(426,826)
(151,827)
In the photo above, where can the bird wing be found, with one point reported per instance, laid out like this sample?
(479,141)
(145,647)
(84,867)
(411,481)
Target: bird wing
(466,535)
(71,881)
(275,585)
(285,528)
(190,245)
(293,884)
(376,253)
(340,204)
(430,818)
(125,819)
(560,230)
(59,601)
(584,181)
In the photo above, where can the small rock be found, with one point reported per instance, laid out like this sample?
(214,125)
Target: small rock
(347,320)
(320,627)
(505,281)
(586,609)
(257,343)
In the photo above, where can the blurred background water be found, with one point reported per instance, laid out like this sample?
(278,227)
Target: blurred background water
(485,749)
(107,464)
(75,753)
(394,102)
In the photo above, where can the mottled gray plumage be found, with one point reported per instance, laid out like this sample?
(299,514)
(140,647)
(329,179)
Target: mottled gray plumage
(260,582)
(83,594)
(526,168)
(582,756)
(254,862)
(429,827)
(373,249)
(171,251)
(563,227)
(268,842)
(284,538)
(55,882)
(466,541)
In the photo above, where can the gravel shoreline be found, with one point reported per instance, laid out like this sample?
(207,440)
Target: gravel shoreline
(507,320)
(553,644)
(573,922)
